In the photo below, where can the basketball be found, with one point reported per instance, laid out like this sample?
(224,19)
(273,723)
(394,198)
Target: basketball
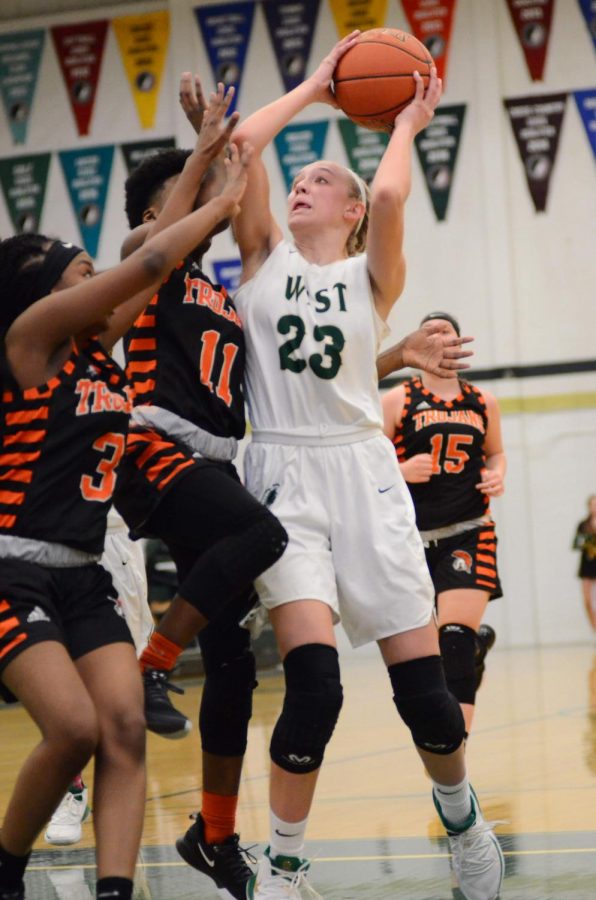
(374,80)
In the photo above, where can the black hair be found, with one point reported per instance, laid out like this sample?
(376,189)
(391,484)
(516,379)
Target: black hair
(145,182)
(443,315)
(21,258)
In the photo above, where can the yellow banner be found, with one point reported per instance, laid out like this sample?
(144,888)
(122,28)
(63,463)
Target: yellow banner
(362,14)
(143,42)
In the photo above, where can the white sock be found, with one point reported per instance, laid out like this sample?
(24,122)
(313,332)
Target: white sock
(455,801)
(287,838)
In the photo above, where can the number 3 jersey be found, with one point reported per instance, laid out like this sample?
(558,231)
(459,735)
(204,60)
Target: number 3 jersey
(453,432)
(60,446)
(312,336)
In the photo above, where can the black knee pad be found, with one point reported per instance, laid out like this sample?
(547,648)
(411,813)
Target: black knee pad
(458,650)
(226,705)
(216,585)
(313,700)
(272,539)
(432,714)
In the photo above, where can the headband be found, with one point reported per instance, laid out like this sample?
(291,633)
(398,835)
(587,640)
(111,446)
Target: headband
(443,315)
(363,192)
(55,262)
(35,285)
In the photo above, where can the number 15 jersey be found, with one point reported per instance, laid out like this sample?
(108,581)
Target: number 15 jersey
(453,432)
(312,335)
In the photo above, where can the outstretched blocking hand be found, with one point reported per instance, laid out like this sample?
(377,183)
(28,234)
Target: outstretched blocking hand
(321,79)
(435,352)
(420,111)
(192,100)
(215,130)
(236,164)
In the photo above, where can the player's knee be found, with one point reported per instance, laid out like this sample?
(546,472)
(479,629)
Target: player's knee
(271,538)
(312,704)
(423,701)
(226,705)
(458,650)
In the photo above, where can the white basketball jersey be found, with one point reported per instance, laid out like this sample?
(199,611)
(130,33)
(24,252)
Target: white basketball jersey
(312,337)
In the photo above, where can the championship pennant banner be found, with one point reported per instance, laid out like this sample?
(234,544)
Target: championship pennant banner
(226,33)
(588,8)
(586,105)
(20,55)
(532,22)
(143,42)
(135,152)
(299,145)
(291,27)
(537,123)
(24,181)
(364,148)
(362,14)
(437,148)
(79,49)
(87,175)
(431,22)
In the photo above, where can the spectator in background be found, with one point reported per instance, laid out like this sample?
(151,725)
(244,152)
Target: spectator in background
(585,542)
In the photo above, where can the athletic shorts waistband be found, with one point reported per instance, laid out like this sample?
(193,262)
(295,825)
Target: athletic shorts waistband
(315,440)
(437,534)
(220,449)
(44,553)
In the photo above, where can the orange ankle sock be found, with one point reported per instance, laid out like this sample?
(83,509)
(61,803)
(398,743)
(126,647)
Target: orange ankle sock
(160,653)
(219,815)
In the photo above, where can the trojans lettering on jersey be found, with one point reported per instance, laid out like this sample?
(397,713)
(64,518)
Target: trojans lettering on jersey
(453,433)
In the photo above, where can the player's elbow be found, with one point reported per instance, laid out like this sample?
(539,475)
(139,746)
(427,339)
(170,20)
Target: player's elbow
(154,263)
(388,202)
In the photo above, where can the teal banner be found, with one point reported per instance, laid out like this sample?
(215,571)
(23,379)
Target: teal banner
(299,145)
(87,174)
(364,148)
(20,55)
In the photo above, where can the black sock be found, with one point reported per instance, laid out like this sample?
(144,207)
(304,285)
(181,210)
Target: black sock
(12,868)
(114,888)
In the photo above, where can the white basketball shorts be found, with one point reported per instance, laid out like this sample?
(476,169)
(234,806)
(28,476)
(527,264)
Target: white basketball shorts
(353,541)
(125,561)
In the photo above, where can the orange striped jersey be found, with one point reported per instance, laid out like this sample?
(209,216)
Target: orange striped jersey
(453,432)
(186,354)
(60,447)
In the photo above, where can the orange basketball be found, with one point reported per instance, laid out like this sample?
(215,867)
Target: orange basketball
(373,81)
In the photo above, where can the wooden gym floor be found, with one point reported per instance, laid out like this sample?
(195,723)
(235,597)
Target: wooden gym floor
(373,832)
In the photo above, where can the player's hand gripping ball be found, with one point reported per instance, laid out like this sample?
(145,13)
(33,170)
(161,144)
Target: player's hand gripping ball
(373,81)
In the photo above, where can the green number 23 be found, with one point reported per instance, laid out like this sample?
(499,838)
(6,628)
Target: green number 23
(326,364)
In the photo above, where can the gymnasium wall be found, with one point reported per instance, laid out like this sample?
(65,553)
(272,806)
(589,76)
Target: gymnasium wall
(521,281)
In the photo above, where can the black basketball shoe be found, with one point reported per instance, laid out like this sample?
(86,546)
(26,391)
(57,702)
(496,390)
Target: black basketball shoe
(162,717)
(485,639)
(224,863)
(14,893)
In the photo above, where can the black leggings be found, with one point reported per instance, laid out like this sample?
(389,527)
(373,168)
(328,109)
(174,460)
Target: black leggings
(219,536)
